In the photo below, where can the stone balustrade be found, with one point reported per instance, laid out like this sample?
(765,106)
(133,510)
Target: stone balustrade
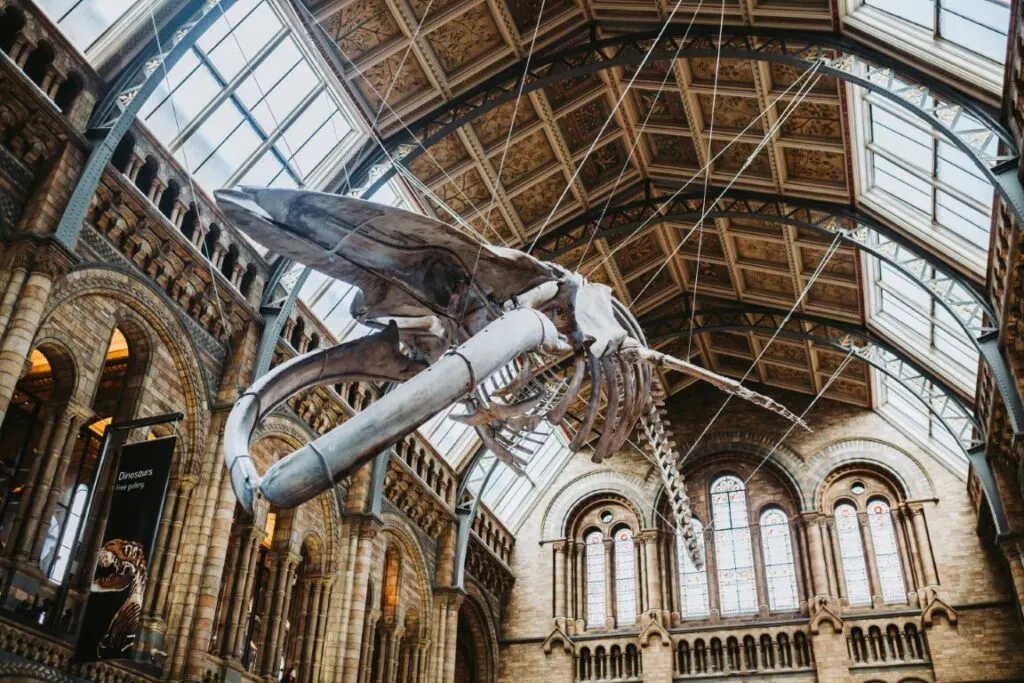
(47,59)
(742,651)
(620,660)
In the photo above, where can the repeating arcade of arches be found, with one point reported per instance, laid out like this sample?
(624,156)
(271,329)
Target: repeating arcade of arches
(165,203)
(40,59)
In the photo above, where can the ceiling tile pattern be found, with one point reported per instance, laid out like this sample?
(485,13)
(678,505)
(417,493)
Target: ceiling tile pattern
(571,149)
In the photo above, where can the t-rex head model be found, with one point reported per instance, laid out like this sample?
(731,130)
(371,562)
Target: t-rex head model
(121,566)
(459,321)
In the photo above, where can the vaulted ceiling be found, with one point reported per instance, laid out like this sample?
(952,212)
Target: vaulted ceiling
(420,54)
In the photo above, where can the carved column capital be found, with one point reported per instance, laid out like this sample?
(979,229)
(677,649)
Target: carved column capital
(915,509)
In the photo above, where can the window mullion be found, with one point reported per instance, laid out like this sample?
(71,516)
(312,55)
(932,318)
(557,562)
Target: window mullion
(273,137)
(227,89)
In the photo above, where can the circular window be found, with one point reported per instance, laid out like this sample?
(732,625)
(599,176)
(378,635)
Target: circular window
(857,488)
(606,517)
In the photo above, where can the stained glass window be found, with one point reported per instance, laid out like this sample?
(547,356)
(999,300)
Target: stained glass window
(625,578)
(736,585)
(887,556)
(693,582)
(779,570)
(851,549)
(595,580)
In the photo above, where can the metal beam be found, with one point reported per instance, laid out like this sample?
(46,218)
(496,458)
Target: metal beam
(118,110)
(969,125)
(948,288)
(940,399)
(983,468)
(467,501)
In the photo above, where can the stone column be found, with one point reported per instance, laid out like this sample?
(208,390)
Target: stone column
(282,604)
(451,637)
(560,583)
(262,638)
(367,653)
(167,571)
(224,599)
(609,584)
(24,324)
(924,546)
(710,567)
(367,529)
(20,263)
(580,586)
(311,617)
(321,628)
(760,580)
(819,575)
(906,564)
(235,607)
(650,544)
(836,579)
(62,440)
(869,558)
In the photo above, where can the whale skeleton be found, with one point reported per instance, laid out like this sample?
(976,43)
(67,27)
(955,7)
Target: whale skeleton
(456,322)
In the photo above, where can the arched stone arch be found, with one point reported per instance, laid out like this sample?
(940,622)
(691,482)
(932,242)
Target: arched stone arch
(474,610)
(296,433)
(149,307)
(634,489)
(783,461)
(398,531)
(57,347)
(904,470)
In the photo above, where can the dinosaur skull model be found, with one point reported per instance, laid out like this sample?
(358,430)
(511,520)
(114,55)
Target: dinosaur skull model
(458,321)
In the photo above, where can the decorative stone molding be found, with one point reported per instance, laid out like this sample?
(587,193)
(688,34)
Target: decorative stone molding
(135,294)
(903,468)
(634,489)
(559,637)
(823,613)
(398,530)
(654,629)
(784,461)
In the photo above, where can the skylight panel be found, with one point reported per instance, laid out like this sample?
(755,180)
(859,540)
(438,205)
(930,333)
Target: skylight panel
(912,417)
(921,182)
(905,312)
(84,21)
(248,105)
(978,26)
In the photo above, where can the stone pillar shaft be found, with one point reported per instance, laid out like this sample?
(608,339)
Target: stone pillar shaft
(924,546)
(20,332)
(61,442)
(560,580)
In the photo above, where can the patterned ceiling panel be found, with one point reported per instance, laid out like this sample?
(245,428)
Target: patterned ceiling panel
(423,53)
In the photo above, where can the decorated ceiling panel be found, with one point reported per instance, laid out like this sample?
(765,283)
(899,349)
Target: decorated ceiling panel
(578,140)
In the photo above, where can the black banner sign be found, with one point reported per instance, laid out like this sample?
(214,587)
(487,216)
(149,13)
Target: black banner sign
(122,566)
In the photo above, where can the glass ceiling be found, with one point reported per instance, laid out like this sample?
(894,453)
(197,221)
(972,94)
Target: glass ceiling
(252,103)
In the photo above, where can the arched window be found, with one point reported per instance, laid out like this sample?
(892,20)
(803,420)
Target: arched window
(625,577)
(595,580)
(851,549)
(59,568)
(887,557)
(736,586)
(779,571)
(693,582)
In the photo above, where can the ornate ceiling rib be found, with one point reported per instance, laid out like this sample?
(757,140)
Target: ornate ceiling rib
(947,287)
(968,124)
(941,400)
